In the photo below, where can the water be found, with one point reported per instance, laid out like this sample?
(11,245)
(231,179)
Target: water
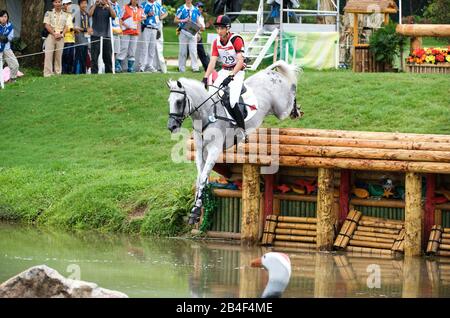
(149,267)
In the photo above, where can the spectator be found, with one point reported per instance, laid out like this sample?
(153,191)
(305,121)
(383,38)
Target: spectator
(154,13)
(117,28)
(69,40)
(204,57)
(6,36)
(83,33)
(187,19)
(131,21)
(55,22)
(159,62)
(100,12)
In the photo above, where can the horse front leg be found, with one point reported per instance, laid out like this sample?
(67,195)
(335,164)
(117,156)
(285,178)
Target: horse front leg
(199,158)
(202,180)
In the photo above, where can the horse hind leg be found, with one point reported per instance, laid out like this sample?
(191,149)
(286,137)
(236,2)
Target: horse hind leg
(296,112)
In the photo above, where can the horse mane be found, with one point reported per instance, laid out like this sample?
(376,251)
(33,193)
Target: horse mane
(192,84)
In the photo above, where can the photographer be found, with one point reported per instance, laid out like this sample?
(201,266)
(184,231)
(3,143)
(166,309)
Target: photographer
(83,33)
(187,18)
(55,22)
(6,36)
(154,13)
(100,12)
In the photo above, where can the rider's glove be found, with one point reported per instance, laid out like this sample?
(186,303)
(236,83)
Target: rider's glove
(205,82)
(227,80)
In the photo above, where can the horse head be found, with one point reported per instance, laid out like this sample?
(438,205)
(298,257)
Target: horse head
(179,106)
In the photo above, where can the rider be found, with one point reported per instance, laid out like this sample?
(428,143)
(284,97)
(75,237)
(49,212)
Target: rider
(230,48)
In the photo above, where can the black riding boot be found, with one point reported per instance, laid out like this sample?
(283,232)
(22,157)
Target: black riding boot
(238,117)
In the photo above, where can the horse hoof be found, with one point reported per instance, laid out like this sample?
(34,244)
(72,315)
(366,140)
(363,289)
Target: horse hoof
(195,215)
(193,220)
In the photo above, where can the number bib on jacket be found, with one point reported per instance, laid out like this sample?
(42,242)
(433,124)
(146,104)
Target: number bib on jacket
(227,53)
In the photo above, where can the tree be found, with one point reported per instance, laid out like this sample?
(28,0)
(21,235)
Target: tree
(32,25)
(438,11)
(326,5)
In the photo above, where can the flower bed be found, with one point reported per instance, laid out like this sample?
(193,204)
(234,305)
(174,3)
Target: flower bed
(429,60)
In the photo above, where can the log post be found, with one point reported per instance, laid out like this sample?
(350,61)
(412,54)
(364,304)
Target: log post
(250,204)
(326,218)
(355,39)
(413,214)
(415,43)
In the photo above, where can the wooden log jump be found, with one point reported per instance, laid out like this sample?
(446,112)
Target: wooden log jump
(326,151)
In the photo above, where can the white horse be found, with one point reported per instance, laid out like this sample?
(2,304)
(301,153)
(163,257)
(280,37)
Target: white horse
(275,93)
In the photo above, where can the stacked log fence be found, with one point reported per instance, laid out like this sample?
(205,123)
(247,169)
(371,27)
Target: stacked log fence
(290,232)
(334,157)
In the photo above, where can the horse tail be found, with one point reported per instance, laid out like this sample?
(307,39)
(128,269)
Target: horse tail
(291,71)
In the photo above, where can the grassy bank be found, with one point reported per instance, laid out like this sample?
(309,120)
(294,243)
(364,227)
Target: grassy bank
(94,152)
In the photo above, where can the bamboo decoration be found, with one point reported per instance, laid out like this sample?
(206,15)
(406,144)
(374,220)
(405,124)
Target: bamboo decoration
(297,226)
(374,234)
(269,229)
(294,219)
(347,229)
(399,242)
(386,225)
(435,239)
(377,230)
(443,253)
(295,238)
(295,232)
(444,247)
(373,251)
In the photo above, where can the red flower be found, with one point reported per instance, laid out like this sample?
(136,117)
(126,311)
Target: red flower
(440,58)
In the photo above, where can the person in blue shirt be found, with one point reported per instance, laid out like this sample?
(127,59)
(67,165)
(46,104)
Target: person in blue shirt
(6,53)
(188,23)
(154,13)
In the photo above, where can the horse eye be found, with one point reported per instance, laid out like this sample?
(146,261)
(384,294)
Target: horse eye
(179,103)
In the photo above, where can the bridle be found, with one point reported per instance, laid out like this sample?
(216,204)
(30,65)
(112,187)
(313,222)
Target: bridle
(180,117)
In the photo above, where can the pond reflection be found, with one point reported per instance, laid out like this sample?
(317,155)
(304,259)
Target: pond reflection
(154,267)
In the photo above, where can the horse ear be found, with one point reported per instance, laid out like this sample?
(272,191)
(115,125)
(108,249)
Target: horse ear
(168,83)
(179,84)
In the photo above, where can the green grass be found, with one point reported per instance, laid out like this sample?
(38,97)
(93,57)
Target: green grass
(85,152)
